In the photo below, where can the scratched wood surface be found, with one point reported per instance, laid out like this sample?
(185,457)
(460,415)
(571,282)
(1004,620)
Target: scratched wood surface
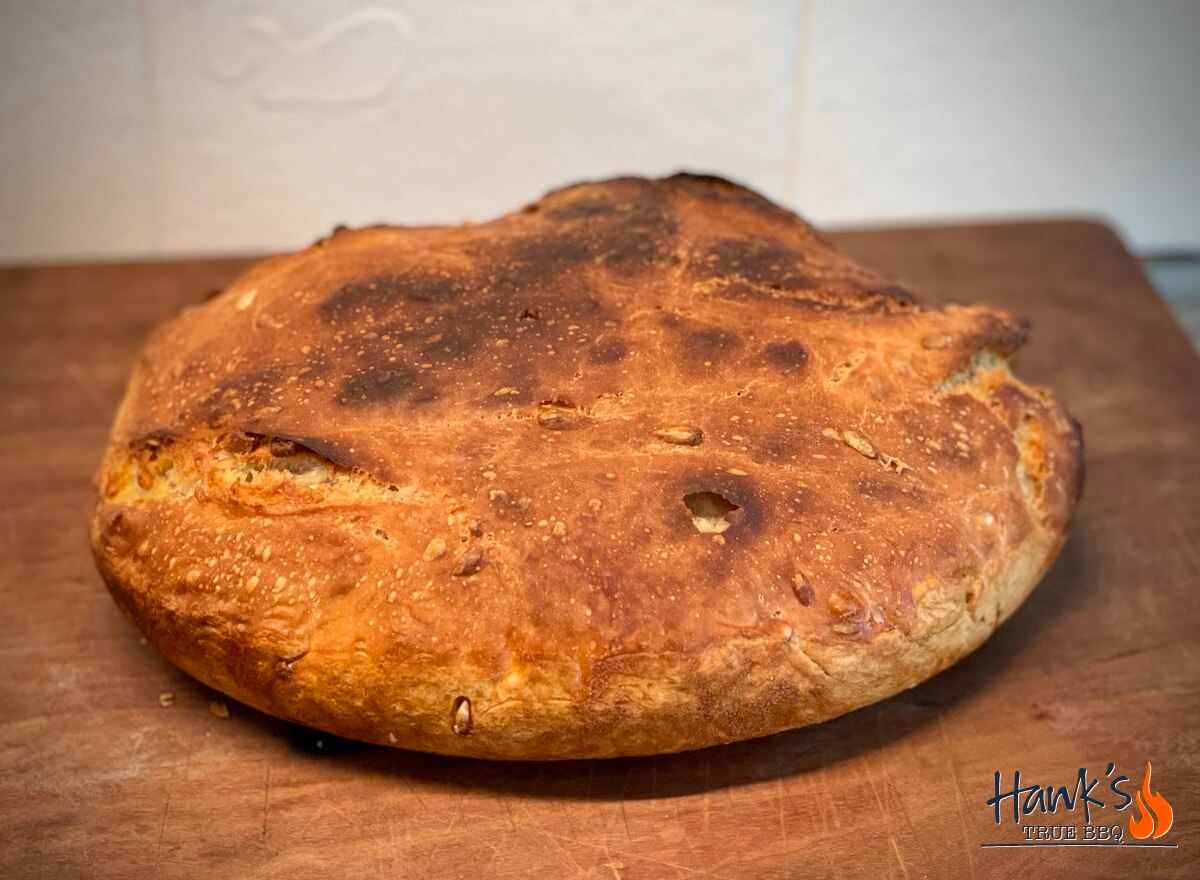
(97,779)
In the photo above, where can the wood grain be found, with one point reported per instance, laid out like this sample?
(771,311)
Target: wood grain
(97,779)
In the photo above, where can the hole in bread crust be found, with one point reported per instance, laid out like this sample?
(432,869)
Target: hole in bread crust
(846,367)
(971,596)
(1032,465)
(709,511)
(460,716)
(560,415)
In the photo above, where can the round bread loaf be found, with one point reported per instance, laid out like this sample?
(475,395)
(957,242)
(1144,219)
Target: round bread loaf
(645,466)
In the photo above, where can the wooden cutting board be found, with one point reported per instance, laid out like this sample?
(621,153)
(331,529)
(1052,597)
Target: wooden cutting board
(1102,664)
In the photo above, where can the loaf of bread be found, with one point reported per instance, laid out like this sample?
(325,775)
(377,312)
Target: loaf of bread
(642,467)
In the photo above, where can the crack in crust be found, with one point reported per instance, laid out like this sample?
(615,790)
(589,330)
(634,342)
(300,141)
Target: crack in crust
(240,468)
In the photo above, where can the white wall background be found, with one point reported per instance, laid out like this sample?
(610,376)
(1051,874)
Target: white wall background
(132,128)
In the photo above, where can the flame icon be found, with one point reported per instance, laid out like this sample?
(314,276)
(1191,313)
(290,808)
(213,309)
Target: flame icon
(1156,815)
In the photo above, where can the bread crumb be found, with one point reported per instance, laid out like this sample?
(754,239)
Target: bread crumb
(469,562)
(435,549)
(859,443)
(166,699)
(680,435)
(218,709)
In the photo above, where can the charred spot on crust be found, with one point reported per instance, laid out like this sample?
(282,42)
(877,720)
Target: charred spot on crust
(581,209)
(376,386)
(780,443)
(891,491)
(626,235)
(537,262)
(705,184)
(642,236)
(762,261)
(787,356)
(1002,333)
(247,391)
(717,189)
(381,295)
(608,352)
(709,344)
(414,329)
(418,287)
(333,233)
(448,347)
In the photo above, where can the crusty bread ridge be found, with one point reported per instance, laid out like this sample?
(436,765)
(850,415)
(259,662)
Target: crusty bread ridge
(643,467)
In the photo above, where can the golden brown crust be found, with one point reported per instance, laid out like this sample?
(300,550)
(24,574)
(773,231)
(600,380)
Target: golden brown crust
(643,467)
